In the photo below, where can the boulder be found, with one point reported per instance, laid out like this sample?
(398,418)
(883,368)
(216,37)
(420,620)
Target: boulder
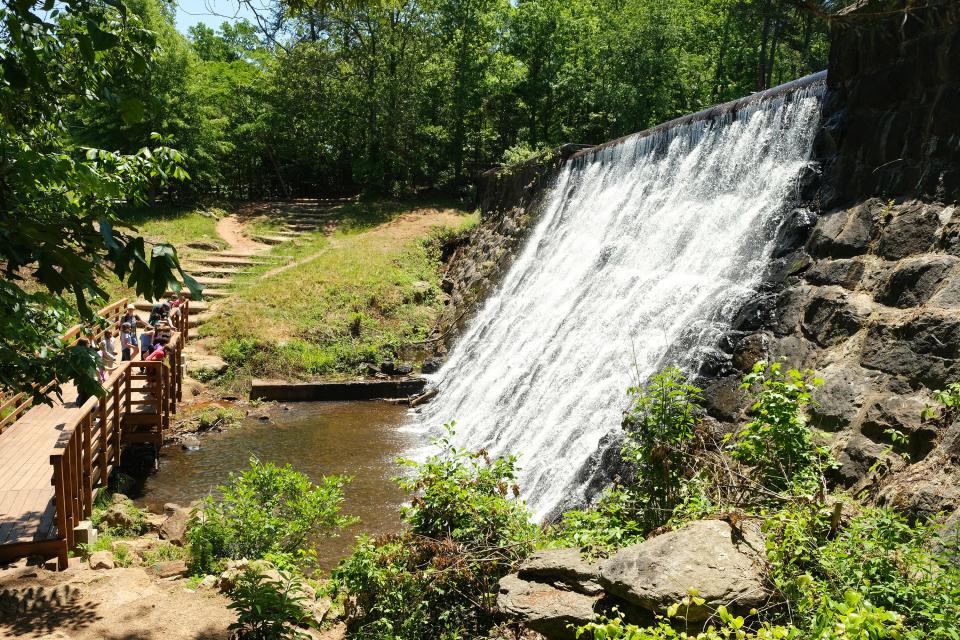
(724,399)
(914,281)
(190,442)
(838,400)
(168,569)
(122,516)
(855,456)
(725,565)
(903,414)
(553,612)
(174,528)
(102,561)
(236,568)
(566,566)
(403,369)
(431,365)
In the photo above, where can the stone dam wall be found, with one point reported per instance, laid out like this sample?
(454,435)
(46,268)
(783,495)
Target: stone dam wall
(864,286)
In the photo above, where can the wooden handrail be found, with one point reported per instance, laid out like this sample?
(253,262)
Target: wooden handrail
(112,313)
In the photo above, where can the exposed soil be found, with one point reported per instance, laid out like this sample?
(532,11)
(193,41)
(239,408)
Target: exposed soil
(231,230)
(119,604)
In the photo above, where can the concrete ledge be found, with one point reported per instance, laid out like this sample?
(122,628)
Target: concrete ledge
(332,391)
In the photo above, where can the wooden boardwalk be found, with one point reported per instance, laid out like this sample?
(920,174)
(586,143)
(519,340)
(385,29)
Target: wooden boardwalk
(54,458)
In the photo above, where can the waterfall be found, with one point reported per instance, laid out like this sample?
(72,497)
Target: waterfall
(644,245)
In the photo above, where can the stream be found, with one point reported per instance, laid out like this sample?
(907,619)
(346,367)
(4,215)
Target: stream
(360,439)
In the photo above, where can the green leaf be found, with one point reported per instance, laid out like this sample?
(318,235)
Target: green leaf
(102,40)
(131,110)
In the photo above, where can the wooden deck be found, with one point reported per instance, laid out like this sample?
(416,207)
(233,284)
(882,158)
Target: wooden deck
(54,458)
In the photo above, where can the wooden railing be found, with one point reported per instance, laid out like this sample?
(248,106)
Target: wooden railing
(13,407)
(136,406)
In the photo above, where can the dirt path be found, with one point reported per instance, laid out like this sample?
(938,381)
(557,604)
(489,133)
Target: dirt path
(120,604)
(230,229)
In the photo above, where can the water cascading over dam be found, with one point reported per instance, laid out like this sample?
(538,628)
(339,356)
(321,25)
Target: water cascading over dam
(645,246)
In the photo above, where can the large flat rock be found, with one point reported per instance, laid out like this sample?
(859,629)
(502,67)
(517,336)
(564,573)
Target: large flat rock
(723,564)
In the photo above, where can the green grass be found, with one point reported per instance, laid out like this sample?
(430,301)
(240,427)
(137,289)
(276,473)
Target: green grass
(367,292)
(175,225)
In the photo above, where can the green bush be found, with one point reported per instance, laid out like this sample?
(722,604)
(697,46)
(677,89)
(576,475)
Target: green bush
(658,447)
(777,442)
(266,512)
(439,578)
(877,554)
(269,609)
(851,618)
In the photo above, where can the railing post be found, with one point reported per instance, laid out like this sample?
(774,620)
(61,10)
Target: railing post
(60,504)
(87,460)
(69,502)
(117,432)
(103,439)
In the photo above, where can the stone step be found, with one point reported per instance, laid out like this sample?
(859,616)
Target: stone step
(216,293)
(198,306)
(227,261)
(304,227)
(208,281)
(272,240)
(206,270)
(199,319)
(256,254)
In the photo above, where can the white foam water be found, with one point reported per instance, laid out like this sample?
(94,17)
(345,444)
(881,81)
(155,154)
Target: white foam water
(654,240)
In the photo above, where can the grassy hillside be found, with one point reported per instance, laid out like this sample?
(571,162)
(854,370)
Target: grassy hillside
(364,290)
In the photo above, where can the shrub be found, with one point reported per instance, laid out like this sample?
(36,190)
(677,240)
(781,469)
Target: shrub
(439,578)
(777,442)
(269,609)
(611,524)
(266,512)
(218,418)
(660,427)
(878,554)
(851,618)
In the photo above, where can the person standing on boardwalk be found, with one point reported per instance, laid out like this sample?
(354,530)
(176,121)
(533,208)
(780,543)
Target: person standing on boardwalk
(128,342)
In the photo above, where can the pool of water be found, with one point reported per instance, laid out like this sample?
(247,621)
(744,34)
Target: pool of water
(360,439)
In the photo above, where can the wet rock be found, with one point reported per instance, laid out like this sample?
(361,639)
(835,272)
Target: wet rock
(913,229)
(749,351)
(403,369)
(566,566)
(847,232)
(793,232)
(915,281)
(102,561)
(431,365)
(190,442)
(724,564)
(788,313)
(553,612)
(834,315)
(174,528)
(844,273)
(387,367)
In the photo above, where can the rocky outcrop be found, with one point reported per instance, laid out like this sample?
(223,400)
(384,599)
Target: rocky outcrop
(553,612)
(555,591)
(174,527)
(723,564)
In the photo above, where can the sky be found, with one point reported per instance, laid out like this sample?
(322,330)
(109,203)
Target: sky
(211,12)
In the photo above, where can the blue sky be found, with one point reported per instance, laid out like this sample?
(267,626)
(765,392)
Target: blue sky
(211,12)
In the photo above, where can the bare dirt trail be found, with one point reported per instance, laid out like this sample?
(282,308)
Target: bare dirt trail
(231,230)
(120,604)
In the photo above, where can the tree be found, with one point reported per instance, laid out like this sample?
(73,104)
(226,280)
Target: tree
(59,232)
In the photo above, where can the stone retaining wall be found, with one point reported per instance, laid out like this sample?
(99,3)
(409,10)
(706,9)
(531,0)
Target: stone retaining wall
(892,121)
